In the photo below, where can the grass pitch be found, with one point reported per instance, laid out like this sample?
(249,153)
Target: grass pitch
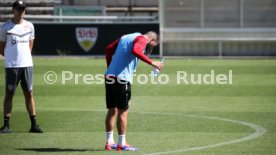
(72,115)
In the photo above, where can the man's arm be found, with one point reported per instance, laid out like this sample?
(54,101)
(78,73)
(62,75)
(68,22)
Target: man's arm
(140,43)
(32,37)
(3,39)
(2,47)
(31,43)
(110,50)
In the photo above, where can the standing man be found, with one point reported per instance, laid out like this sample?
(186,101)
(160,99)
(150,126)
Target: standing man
(122,56)
(16,43)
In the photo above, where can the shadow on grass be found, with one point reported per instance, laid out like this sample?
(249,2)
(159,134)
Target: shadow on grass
(59,150)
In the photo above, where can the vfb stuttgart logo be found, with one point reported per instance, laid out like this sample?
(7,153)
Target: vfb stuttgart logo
(86,37)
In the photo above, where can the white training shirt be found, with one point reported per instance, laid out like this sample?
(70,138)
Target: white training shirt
(17,50)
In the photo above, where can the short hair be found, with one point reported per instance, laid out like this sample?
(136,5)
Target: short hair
(154,35)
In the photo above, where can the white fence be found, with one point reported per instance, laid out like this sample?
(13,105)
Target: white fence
(218,27)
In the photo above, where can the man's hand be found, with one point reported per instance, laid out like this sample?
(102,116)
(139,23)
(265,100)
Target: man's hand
(157,64)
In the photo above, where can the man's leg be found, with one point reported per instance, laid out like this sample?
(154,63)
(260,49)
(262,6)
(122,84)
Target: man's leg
(29,101)
(8,103)
(30,106)
(27,86)
(109,124)
(124,97)
(122,126)
(12,79)
(7,111)
(110,116)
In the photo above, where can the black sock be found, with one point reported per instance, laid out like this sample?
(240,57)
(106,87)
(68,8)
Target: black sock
(33,120)
(7,121)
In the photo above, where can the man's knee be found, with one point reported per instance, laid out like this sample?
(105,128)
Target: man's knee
(112,111)
(28,94)
(9,95)
(122,114)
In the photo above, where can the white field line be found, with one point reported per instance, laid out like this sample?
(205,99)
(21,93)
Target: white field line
(259,131)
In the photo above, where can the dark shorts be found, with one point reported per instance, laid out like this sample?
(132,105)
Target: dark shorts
(117,93)
(23,75)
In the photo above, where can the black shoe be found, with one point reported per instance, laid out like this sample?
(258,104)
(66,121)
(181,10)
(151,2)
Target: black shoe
(5,129)
(35,129)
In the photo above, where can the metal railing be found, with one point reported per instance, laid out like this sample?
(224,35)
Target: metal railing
(91,19)
(217,38)
(217,27)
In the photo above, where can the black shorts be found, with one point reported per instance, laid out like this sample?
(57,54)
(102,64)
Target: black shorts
(23,75)
(117,93)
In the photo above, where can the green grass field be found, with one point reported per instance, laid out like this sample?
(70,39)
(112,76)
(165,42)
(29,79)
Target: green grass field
(237,119)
